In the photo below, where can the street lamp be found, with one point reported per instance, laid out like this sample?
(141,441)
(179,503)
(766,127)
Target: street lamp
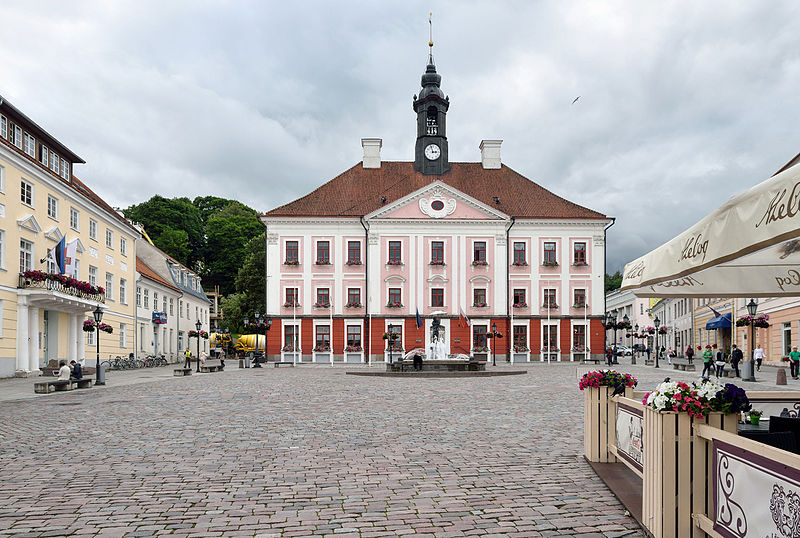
(635,337)
(257,315)
(603,320)
(495,334)
(197,326)
(747,366)
(614,323)
(655,336)
(98,317)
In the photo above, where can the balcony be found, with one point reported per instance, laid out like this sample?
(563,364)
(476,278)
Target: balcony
(39,280)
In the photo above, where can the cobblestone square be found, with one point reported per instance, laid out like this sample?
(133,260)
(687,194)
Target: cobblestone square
(305,451)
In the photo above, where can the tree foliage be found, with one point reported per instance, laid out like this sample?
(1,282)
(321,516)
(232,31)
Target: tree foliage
(613,282)
(161,217)
(250,280)
(228,232)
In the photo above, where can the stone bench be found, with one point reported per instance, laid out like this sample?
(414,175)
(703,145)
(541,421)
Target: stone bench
(180,372)
(594,360)
(209,369)
(283,363)
(57,385)
(685,365)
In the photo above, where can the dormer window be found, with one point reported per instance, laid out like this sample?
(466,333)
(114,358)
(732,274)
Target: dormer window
(30,145)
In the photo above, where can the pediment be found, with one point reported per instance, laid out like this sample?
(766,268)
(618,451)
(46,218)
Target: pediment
(54,234)
(29,223)
(79,248)
(438,201)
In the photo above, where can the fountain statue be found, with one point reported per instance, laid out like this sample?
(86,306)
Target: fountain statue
(437,349)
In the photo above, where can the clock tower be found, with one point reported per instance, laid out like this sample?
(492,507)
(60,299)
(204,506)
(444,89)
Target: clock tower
(430,153)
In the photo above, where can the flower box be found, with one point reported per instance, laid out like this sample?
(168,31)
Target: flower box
(550,306)
(289,348)
(291,305)
(584,305)
(322,348)
(580,264)
(291,262)
(357,262)
(520,305)
(322,305)
(521,349)
(477,263)
(549,264)
(578,349)
(353,349)
(322,262)
(520,264)
(437,263)
(394,262)
(478,305)
(394,305)
(480,349)
(353,305)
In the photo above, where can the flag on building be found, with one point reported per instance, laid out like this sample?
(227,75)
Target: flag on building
(56,256)
(69,258)
(419,319)
(462,318)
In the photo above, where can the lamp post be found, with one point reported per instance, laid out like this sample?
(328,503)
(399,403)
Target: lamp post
(747,366)
(626,321)
(614,323)
(269,325)
(257,321)
(197,326)
(603,320)
(635,337)
(98,317)
(655,336)
(495,334)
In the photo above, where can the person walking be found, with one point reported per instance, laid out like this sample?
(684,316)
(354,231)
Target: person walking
(188,362)
(708,361)
(736,358)
(720,363)
(690,354)
(794,362)
(649,351)
(759,355)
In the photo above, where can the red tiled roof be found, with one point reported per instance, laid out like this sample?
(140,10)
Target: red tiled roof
(81,187)
(358,191)
(145,270)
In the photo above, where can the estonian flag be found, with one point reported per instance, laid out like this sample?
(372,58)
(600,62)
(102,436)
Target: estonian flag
(61,255)
(419,320)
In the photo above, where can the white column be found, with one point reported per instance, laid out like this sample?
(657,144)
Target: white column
(80,340)
(72,337)
(33,341)
(22,335)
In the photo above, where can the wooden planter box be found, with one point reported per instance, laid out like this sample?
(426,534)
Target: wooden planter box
(599,423)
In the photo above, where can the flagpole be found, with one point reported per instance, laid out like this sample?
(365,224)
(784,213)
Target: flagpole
(511,336)
(331,346)
(586,331)
(549,327)
(296,342)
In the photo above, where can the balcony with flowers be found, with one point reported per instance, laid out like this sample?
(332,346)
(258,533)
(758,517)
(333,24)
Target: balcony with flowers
(58,283)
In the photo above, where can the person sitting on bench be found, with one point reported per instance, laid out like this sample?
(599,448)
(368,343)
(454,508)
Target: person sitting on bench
(64,371)
(418,362)
(77,371)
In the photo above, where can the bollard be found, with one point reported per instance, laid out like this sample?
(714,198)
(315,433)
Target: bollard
(781,378)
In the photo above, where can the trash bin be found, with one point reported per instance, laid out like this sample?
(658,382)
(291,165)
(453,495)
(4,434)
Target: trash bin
(247,359)
(101,374)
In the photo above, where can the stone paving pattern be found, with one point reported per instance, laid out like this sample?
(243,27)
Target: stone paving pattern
(307,451)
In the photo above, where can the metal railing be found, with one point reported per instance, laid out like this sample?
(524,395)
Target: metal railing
(54,285)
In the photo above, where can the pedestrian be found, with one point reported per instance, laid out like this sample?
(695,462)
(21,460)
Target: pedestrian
(188,362)
(736,358)
(417,362)
(690,354)
(649,351)
(203,358)
(63,372)
(759,355)
(794,362)
(609,356)
(708,361)
(77,371)
(720,363)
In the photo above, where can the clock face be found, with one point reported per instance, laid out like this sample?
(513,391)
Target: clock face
(432,152)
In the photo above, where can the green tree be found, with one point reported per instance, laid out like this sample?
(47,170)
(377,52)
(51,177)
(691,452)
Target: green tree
(613,282)
(208,205)
(229,232)
(233,311)
(250,280)
(173,242)
(161,217)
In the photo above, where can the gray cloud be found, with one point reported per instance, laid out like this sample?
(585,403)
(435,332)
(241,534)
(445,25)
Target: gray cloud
(683,104)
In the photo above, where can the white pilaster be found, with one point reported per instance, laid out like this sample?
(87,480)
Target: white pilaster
(33,341)
(81,341)
(72,337)
(22,335)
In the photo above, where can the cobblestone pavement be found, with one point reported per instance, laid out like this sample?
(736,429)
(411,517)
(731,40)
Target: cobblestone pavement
(306,451)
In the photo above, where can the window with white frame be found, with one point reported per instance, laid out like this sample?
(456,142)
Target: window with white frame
(109,238)
(93,275)
(16,133)
(54,162)
(3,127)
(180,308)
(146,299)
(123,246)
(93,229)
(52,207)
(25,255)
(74,219)
(171,307)
(123,291)
(77,264)
(30,145)
(2,179)
(123,335)
(138,296)
(64,169)
(43,154)
(2,249)
(26,192)
(109,286)
(90,338)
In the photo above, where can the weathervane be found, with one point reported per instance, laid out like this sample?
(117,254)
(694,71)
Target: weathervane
(430,34)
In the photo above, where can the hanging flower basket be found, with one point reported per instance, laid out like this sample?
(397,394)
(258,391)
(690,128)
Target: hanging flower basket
(90,325)
(761,321)
(663,329)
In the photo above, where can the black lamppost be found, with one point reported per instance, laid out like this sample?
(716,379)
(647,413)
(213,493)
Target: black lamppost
(635,337)
(613,322)
(494,335)
(748,373)
(626,322)
(603,321)
(655,336)
(257,321)
(98,317)
(197,326)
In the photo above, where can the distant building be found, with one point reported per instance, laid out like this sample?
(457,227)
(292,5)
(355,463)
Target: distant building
(363,253)
(214,312)
(41,204)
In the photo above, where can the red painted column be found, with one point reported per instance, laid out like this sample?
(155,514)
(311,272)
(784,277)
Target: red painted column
(307,337)
(275,338)
(565,339)
(536,338)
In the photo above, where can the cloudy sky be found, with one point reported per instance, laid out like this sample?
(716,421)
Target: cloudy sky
(683,104)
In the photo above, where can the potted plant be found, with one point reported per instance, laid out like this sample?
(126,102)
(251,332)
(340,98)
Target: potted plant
(755,417)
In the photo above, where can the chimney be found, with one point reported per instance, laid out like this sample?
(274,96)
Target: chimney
(490,153)
(372,152)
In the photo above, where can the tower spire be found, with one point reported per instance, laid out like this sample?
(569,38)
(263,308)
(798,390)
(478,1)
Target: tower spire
(430,153)
(430,37)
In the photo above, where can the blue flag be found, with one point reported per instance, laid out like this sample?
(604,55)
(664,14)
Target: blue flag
(60,254)
(419,319)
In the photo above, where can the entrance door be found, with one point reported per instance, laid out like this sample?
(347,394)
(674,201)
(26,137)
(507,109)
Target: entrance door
(50,336)
(155,340)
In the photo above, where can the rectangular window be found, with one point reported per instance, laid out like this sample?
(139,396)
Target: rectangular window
(64,169)
(519,254)
(2,179)
(3,127)
(123,246)
(549,338)
(549,255)
(30,145)
(17,136)
(787,338)
(479,340)
(180,340)
(323,338)
(93,275)
(164,304)
(43,155)
(109,238)
(579,338)
(146,299)
(26,192)
(138,296)
(397,343)
(479,297)
(394,252)
(2,250)
(109,286)
(291,252)
(171,307)
(90,338)
(155,300)
(77,272)
(579,254)
(519,298)
(123,335)
(93,229)
(180,309)
(323,297)
(437,297)
(549,298)
(291,338)
(479,252)
(354,252)
(394,296)
(123,291)
(353,297)
(437,252)
(52,207)
(520,338)
(291,297)
(580,298)
(74,219)
(353,336)
(54,161)
(323,252)
(25,256)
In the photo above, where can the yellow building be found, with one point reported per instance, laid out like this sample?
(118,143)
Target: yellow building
(41,203)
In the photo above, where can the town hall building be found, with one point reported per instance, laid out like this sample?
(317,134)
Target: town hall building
(475,244)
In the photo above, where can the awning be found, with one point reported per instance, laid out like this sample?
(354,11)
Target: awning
(748,247)
(719,322)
